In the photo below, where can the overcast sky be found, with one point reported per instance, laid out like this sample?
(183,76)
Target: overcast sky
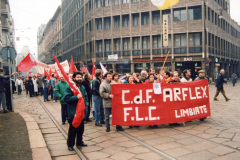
(30,14)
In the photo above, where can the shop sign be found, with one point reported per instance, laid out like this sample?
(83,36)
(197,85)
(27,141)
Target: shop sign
(165,30)
(161,59)
(141,60)
(188,59)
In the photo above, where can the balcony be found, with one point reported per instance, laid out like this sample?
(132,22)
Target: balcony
(5,27)
(5,12)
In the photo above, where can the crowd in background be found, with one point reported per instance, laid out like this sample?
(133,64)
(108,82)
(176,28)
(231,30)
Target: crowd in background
(96,92)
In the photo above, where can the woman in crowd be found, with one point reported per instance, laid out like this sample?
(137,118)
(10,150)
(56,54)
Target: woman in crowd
(115,79)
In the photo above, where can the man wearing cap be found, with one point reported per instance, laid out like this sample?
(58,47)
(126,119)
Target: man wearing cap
(2,91)
(201,75)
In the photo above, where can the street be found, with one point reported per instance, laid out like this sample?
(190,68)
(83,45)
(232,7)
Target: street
(217,137)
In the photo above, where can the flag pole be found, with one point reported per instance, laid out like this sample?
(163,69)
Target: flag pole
(164,61)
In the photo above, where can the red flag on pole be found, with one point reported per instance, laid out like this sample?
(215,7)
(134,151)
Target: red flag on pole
(72,67)
(57,75)
(26,64)
(80,105)
(46,74)
(93,68)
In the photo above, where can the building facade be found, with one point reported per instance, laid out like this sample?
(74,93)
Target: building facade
(50,39)
(7,32)
(201,35)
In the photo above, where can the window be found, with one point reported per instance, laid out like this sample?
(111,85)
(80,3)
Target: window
(116,21)
(125,1)
(116,2)
(156,41)
(117,44)
(106,3)
(156,17)
(135,19)
(195,13)
(135,0)
(168,12)
(180,40)
(98,3)
(99,24)
(136,42)
(195,42)
(146,42)
(194,39)
(99,46)
(125,20)
(107,23)
(179,15)
(126,43)
(145,18)
(108,45)
(209,13)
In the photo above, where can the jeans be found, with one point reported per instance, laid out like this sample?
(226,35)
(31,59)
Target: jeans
(64,113)
(19,89)
(3,101)
(99,112)
(107,112)
(53,95)
(73,132)
(45,94)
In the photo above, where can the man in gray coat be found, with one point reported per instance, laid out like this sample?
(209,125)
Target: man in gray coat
(234,79)
(105,93)
(40,85)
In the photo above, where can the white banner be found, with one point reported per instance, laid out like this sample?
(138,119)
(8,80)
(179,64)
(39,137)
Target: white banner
(41,66)
(165,30)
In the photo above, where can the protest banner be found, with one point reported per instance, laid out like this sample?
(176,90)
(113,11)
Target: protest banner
(41,66)
(138,105)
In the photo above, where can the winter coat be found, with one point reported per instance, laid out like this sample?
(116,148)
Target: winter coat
(2,77)
(95,86)
(220,81)
(185,79)
(59,90)
(21,84)
(35,85)
(72,100)
(40,82)
(234,79)
(200,78)
(46,84)
(105,91)
(88,88)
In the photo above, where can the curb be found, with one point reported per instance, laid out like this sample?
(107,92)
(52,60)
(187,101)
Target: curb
(37,142)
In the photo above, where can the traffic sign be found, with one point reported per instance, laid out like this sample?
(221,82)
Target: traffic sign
(4,53)
(207,61)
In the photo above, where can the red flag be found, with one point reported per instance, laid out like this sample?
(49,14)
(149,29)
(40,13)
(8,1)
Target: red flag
(72,68)
(57,75)
(84,68)
(46,74)
(93,68)
(50,73)
(26,64)
(80,105)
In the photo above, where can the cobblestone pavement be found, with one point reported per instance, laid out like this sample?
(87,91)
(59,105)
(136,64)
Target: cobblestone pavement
(215,138)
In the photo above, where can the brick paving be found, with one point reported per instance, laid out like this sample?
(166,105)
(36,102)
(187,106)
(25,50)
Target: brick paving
(215,138)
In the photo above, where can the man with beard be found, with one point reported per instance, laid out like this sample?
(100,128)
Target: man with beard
(31,87)
(72,101)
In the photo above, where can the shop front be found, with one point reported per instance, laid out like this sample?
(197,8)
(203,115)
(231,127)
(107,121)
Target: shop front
(193,64)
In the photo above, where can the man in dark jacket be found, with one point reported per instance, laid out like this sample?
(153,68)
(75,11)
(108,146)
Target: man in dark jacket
(8,92)
(40,85)
(45,89)
(72,101)
(234,79)
(2,91)
(31,87)
(98,103)
(59,91)
(86,84)
(219,85)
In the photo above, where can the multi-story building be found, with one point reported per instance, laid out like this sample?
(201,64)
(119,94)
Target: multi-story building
(7,32)
(50,39)
(201,35)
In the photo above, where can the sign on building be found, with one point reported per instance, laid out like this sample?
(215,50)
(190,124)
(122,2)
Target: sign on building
(165,30)
(113,57)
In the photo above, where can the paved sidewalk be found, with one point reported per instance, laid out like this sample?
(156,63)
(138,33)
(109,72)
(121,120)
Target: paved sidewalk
(215,138)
